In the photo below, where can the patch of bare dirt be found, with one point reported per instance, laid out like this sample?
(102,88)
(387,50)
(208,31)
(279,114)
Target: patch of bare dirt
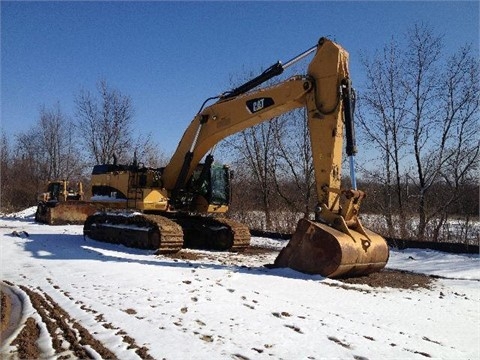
(185,255)
(189,255)
(386,278)
(256,250)
(6,308)
(26,341)
(62,333)
(393,279)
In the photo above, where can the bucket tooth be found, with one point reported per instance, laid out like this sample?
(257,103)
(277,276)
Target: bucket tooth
(316,248)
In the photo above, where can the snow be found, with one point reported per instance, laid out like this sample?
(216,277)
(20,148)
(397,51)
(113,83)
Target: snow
(227,305)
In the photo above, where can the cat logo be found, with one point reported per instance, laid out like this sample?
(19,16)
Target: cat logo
(258,104)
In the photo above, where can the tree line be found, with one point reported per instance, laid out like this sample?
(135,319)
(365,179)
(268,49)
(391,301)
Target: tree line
(417,117)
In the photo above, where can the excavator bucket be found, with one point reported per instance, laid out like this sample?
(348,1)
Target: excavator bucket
(316,248)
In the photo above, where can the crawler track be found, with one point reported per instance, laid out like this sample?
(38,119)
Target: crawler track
(241,234)
(167,235)
(214,233)
(135,230)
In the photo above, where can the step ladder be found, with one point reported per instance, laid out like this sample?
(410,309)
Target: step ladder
(134,193)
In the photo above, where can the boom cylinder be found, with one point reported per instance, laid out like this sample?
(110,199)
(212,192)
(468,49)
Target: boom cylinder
(274,70)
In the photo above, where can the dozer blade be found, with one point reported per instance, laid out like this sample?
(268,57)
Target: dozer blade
(68,212)
(316,248)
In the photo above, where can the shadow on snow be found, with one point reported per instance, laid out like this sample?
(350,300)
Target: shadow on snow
(55,246)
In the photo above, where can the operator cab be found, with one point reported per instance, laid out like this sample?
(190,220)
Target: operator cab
(55,189)
(212,184)
(208,190)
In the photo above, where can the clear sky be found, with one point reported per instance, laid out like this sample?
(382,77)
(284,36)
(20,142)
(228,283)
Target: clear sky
(170,56)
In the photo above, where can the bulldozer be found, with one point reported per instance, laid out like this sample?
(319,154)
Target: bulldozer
(62,203)
(184,203)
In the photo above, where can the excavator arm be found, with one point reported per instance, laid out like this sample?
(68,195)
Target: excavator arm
(335,244)
(325,93)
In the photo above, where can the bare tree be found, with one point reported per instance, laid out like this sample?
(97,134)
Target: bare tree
(459,143)
(105,122)
(382,121)
(46,151)
(57,146)
(6,185)
(427,104)
(148,152)
(255,151)
(27,168)
(294,176)
(273,160)
(421,81)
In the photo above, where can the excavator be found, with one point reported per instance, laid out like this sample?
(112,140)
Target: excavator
(183,204)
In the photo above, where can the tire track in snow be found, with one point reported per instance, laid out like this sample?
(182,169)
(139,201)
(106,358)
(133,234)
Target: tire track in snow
(142,352)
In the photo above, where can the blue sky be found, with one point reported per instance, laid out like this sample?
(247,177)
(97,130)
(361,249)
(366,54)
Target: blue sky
(170,56)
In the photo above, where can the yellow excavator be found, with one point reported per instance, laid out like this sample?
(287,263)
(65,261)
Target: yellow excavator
(181,205)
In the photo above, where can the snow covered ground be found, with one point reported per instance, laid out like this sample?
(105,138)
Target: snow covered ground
(214,305)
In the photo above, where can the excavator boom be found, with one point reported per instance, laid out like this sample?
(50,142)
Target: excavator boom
(335,244)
